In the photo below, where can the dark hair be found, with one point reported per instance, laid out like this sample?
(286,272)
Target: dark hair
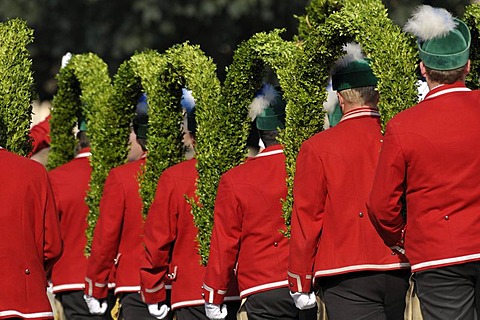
(446,76)
(269,137)
(143,143)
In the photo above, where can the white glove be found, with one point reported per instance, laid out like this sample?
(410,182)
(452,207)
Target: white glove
(158,310)
(94,306)
(65,59)
(215,312)
(304,301)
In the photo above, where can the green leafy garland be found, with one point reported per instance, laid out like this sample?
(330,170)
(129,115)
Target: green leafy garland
(85,86)
(222,144)
(144,72)
(16,86)
(393,53)
(472,19)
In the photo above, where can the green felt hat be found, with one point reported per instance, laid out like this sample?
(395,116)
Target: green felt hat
(82,124)
(355,74)
(268,109)
(447,52)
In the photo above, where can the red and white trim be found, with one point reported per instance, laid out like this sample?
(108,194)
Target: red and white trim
(446,91)
(444,262)
(211,295)
(363,267)
(298,280)
(92,284)
(68,287)
(263,287)
(360,112)
(127,289)
(35,315)
(269,153)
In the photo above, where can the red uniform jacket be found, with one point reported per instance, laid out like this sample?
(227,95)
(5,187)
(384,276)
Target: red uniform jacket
(248,220)
(118,234)
(431,151)
(30,240)
(331,232)
(70,184)
(170,242)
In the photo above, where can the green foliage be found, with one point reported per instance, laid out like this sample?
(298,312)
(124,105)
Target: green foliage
(150,71)
(393,56)
(393,53)
(16,86)
(222,144)
(84,87)
(472,19)
(317,13)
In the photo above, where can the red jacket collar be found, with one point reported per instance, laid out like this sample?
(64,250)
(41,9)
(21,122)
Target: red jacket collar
(446,88)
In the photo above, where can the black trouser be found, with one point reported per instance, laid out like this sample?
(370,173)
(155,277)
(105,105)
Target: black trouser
(451,292)
(198,312)
(365,295)
(75,307)
(133,308)
(276,304)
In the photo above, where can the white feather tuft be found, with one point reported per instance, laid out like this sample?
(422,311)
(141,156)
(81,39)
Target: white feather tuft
(187,101)
(353,52)
(262,100)
(429,23)
(332,100)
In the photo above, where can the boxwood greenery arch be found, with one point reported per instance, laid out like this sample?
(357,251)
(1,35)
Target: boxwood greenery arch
(393,53)
(16,86)
(183,65)
(84,87)
(222,145)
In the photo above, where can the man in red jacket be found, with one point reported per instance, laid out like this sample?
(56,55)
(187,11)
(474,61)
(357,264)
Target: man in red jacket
(248,223)
(30,238)
(333,243)
(171,252)
(117,241)
(430,155)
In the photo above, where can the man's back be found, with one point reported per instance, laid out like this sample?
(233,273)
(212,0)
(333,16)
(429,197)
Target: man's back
(438,142)
(30,241)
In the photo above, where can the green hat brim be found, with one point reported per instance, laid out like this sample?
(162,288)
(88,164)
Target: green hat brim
(270,123)
(356,74)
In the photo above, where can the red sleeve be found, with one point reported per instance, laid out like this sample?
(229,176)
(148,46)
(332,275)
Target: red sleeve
(309,193)
(159,236)
(52,248)
(385,203)
(40,134)
(106,237)
(224,246)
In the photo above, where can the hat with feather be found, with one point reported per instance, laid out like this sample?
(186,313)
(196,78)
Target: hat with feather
(443,41)
(268,109)
(352,70)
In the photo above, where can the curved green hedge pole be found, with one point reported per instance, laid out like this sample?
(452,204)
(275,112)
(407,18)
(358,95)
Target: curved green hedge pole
(144,72)
(84,86)
(472,19)
(393,53)
(16,86)
(222,144)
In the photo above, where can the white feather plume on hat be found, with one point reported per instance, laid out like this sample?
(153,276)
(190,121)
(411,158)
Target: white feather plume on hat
(262,100)
(353,52)
(187,101)
(429,23)
(332,100)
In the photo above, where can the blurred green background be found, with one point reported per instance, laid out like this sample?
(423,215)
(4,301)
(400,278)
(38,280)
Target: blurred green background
(115,29)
